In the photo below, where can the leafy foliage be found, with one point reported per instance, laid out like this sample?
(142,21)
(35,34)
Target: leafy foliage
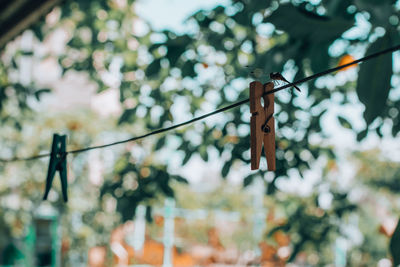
(373,93)
(378,172)
(310,225)
(135,184)
(206,69)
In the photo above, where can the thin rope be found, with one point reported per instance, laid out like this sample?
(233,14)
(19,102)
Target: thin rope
(241,102)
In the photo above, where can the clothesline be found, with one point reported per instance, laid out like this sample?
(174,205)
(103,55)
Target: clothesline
(231,106)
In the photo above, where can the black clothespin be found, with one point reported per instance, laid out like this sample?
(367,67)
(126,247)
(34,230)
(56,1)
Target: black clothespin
(58,162)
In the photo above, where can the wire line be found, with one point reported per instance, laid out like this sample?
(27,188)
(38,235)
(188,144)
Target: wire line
(236,104)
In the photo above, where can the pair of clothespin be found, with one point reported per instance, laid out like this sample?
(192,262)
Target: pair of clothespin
(58,162)
(262,124)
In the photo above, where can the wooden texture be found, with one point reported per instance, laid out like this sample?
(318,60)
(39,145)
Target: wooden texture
(259,116)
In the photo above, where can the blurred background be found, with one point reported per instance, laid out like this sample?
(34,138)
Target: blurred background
(103,71)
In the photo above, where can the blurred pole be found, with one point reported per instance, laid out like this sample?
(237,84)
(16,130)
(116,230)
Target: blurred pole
(340,252)
(259,215)
(139,228)
(169,206)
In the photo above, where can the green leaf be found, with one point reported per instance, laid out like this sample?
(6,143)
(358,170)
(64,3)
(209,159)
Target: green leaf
(188,69)
(378,131)
(153,68)
(154,46)
(38,93)
(226,168)
(127,115)
(361,135)
(188,155)
(373,82)
(27,53)
(395,245)
(396,126)
(380,10)
(149,217)
(248,180)
(319,56)
(126,207)
(160,143)
(203,153)
(180,179)
(176,47)
(305,25)
(242,17)
(166,189)
(344,122)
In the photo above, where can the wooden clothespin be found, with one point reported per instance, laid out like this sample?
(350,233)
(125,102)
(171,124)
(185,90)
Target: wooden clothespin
(262,125)
(58,162)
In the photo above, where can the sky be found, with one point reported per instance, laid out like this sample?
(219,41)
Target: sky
(170,14)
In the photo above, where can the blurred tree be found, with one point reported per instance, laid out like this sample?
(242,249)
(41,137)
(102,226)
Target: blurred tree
(85,222)
(381,175)
(205,68)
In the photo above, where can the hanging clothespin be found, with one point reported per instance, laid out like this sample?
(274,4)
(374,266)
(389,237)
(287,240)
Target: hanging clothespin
(262,124)
(58,162)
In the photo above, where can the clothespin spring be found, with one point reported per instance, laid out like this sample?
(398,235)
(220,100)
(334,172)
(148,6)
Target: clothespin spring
(265,128)
(61,155)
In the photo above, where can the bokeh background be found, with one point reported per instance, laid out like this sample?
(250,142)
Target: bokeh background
(103,71)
